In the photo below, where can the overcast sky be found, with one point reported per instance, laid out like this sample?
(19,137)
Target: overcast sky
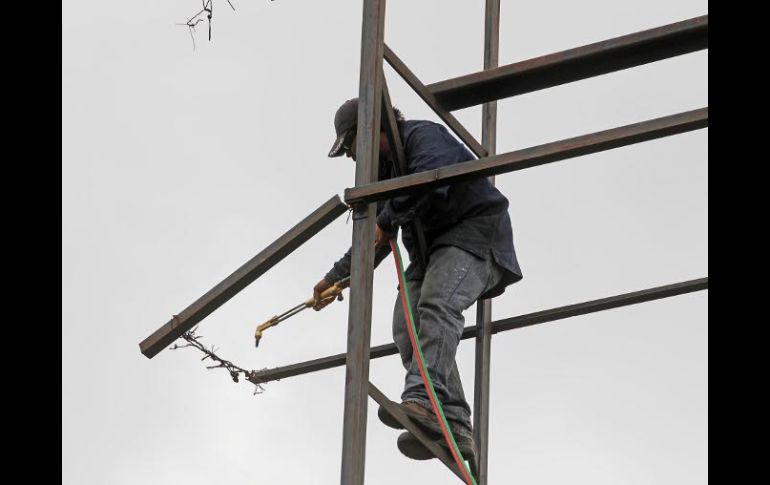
(181,165)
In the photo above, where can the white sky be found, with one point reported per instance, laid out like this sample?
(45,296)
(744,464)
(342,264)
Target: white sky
(179,166)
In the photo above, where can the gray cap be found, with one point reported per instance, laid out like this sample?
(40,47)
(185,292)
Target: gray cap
(344,121)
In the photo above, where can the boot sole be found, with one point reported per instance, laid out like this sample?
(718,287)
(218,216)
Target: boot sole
(426,423)
(412,448)
(388,420)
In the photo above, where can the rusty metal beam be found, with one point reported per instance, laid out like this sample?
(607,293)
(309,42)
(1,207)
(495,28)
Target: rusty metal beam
(398,414)
(599,305)
(447,117)
(481,384)
(513,323)
(362,255)
(242,277)
(531,157)
(401,168)
(572,65)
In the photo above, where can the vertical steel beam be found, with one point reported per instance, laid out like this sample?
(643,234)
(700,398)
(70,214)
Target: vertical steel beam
(401,168)
(362,257)
(484,307)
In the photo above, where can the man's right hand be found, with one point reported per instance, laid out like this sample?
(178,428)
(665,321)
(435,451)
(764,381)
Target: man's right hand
(317,290)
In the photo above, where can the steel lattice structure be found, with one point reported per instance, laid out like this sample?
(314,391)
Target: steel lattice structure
(485,88)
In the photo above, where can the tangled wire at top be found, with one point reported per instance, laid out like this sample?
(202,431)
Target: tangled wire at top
(234,370)
(208,10)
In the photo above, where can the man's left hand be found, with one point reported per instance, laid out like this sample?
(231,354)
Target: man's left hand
(381,237)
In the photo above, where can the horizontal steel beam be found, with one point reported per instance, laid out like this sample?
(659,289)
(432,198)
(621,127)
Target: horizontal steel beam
(530,157)
(573,65)
(242,277)
(521,321)
(599,305)
(337,360)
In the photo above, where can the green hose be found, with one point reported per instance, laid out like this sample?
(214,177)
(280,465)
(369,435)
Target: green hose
(426,380)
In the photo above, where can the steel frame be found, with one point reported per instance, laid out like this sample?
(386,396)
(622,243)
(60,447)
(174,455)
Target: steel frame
(485,87)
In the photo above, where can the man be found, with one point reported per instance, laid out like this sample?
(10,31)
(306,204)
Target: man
(470,256)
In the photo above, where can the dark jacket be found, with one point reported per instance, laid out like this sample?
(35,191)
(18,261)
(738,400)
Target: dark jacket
(471,215)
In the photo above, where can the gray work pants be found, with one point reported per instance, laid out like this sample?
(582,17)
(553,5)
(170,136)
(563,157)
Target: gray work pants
(453,281)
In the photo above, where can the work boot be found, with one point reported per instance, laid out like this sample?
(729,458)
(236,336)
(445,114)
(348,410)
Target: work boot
(416,412)
(414,449)
(387,419)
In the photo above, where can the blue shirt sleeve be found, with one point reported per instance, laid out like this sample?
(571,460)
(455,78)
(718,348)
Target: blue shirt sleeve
(341,268)
(428,147)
